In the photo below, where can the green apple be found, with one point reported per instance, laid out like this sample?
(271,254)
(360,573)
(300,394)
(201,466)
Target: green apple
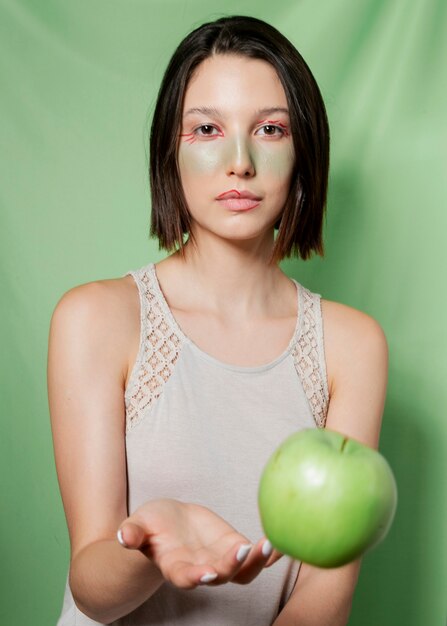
(325,498)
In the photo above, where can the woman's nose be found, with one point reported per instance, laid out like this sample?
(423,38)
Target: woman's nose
(240,159)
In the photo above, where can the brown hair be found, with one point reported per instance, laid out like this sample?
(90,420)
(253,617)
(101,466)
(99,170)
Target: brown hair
(301,223)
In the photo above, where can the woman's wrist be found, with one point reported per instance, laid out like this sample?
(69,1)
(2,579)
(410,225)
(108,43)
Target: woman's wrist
(109,581)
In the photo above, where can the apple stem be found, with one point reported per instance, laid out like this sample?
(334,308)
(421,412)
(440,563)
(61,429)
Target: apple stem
(345,440)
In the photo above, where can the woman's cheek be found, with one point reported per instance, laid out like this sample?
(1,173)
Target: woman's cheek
(199,158)
(278,164)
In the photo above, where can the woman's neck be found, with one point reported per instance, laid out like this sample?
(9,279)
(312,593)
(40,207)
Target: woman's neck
(230,284)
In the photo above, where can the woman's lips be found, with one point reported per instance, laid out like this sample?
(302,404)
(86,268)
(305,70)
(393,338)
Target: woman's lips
(239,204)
(239,200)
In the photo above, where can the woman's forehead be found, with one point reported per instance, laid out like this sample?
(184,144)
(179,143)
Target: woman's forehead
(223,83)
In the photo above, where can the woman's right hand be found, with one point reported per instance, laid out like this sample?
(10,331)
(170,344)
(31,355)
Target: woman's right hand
(188,541)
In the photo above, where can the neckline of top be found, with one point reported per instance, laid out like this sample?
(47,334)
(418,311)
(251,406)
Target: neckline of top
(237,368)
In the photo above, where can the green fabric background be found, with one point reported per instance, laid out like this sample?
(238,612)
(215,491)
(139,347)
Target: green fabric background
(78,85)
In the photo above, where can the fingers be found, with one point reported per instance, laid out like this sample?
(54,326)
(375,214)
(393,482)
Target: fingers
(187,576)
(232,561)
(253,559)
(131,536)
(275,556)
(259,556)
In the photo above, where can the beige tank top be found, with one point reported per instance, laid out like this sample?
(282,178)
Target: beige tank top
(200,430)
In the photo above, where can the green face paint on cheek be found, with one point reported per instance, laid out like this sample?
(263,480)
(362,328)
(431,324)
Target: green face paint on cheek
(277,163)
(209,157)
(200,158)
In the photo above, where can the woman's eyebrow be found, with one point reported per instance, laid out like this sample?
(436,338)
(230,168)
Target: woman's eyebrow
(217,113)
(204,111)
(270,110)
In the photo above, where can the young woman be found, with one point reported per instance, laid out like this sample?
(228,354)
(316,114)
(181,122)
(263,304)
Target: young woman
(171,386)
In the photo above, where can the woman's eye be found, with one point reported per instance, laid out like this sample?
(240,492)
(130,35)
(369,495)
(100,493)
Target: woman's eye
(207,128)
(272,130)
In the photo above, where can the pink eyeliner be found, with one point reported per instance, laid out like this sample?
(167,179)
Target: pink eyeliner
(277,122)
(191,138)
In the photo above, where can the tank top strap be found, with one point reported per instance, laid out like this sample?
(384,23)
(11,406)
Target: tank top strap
(309,357)
(158,351)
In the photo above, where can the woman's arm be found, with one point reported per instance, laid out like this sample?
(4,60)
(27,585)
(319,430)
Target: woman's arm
(92,329)
(321,597)
(90,334)
(357,355)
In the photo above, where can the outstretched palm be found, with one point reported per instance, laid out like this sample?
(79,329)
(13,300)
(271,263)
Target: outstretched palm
(186,541)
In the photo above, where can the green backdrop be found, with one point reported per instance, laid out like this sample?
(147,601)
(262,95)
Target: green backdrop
(78,85)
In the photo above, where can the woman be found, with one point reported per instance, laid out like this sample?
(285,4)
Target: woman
(170,387)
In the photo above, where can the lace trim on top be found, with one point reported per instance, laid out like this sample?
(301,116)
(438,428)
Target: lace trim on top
(160,347)
(308,355)
(157,355)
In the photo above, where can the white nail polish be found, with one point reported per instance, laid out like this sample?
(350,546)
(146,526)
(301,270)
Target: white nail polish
(119,535)
(267,548)
(206,578)
(243,551)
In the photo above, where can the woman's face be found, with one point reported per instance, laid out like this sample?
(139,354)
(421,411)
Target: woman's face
(237,143)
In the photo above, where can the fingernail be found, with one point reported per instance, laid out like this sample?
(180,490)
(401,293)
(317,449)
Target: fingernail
(206,578)
(119,534)
(243,551)
(267,548)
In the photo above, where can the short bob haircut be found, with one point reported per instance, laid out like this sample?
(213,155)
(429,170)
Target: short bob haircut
(301,222)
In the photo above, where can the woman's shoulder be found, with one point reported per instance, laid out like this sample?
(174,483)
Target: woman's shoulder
(103,299)
(349,335)
(103,313)
(347,319)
